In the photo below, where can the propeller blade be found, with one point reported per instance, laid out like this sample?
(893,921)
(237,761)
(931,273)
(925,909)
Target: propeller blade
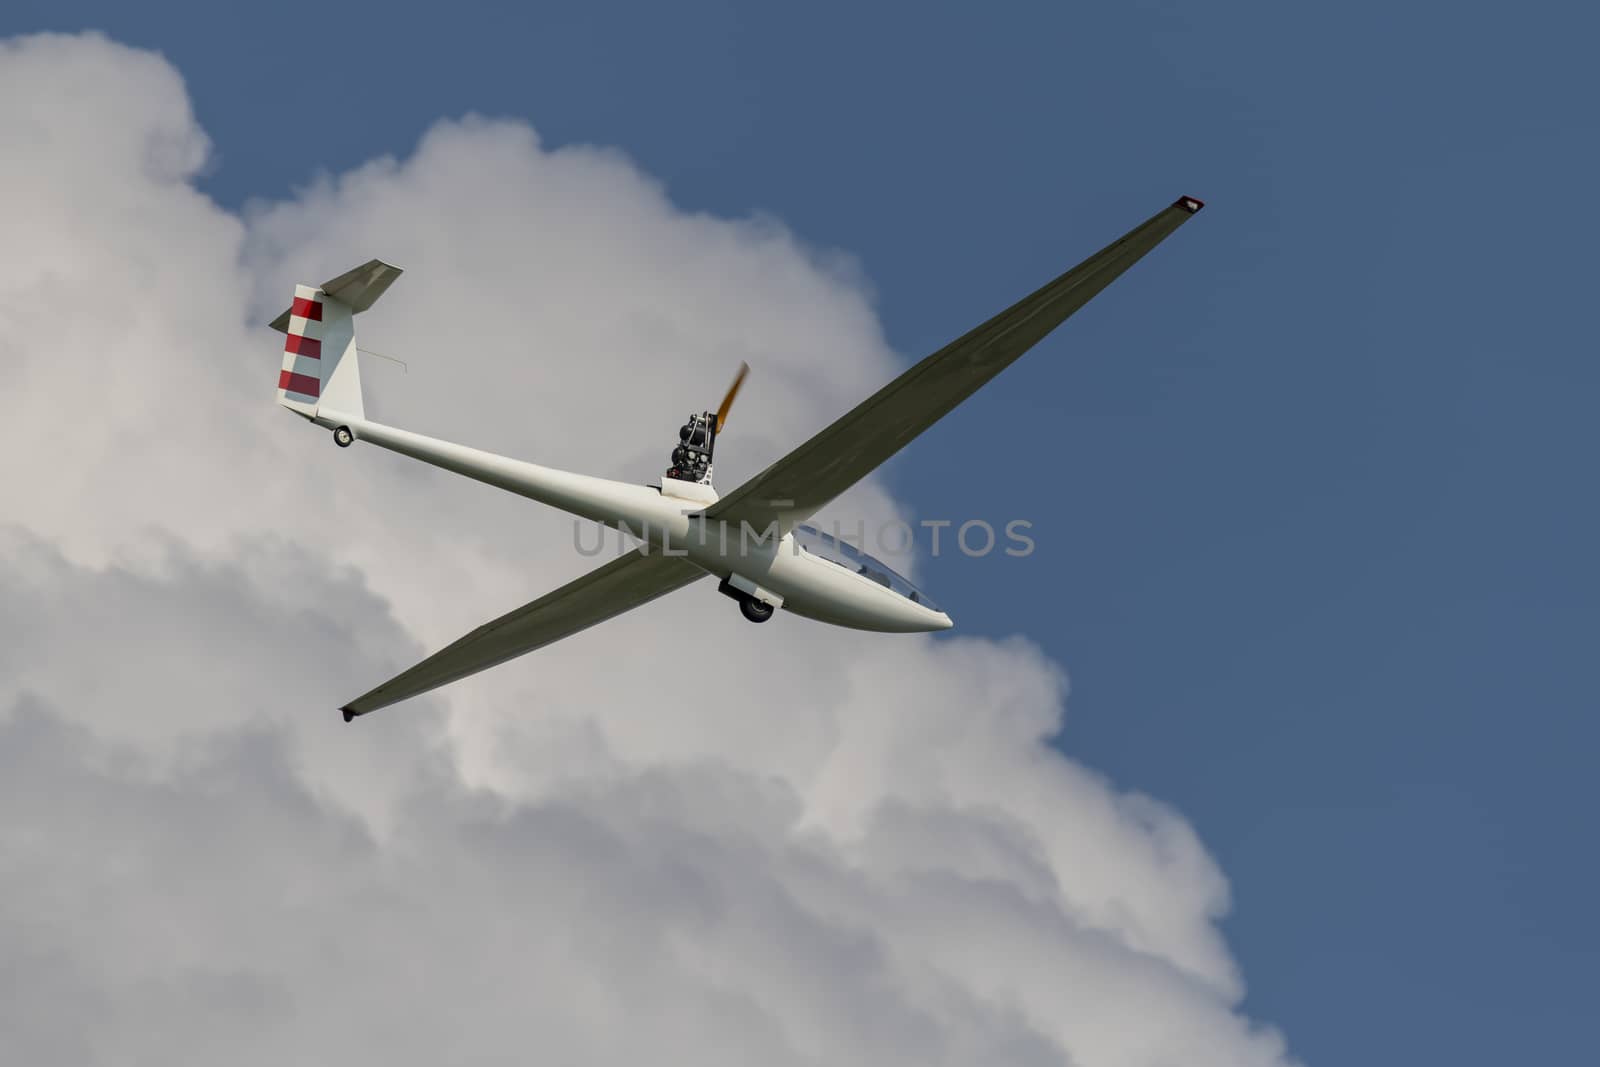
(733,391)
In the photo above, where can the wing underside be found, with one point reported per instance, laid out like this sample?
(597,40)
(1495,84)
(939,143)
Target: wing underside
(801,483)
(619,586)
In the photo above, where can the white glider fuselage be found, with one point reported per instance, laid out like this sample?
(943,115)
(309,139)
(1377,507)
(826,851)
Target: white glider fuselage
(774,569)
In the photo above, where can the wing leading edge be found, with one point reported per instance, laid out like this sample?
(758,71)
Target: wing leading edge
(619,586)
(805,480)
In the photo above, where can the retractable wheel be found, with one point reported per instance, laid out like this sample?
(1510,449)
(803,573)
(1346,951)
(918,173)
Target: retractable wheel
(343,437)
(755,610)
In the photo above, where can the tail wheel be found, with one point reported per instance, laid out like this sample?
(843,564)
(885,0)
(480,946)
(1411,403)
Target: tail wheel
(755,610)
(343,437)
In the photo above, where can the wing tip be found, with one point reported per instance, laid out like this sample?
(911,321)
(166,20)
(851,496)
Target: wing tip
(348,713)
(1189,203)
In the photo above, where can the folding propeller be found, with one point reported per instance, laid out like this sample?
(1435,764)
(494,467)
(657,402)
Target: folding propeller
(727,401)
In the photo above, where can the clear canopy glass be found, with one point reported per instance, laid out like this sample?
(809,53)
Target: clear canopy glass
(848,556)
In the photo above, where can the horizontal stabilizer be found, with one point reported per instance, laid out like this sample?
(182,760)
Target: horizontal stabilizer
(358,289)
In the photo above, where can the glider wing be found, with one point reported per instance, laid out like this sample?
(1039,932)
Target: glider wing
(805,480)
(619,586)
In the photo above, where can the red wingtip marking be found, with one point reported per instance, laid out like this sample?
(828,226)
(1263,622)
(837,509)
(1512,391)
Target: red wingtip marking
(1189,204)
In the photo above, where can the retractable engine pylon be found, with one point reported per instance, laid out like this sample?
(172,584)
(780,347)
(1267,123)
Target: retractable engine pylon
(697,438)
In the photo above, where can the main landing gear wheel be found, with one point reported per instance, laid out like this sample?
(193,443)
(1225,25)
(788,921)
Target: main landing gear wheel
(343,437)
(755,610)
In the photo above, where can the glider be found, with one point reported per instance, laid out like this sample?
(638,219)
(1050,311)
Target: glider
(753,540)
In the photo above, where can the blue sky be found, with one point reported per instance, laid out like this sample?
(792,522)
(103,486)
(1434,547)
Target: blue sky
(1312,487)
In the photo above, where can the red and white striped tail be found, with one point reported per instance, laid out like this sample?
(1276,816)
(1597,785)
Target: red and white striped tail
(321,376)
(300,380)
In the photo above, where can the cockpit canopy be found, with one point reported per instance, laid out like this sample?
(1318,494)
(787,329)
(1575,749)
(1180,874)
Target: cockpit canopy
(848,556)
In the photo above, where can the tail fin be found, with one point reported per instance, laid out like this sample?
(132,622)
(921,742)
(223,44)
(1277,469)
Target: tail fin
(320,367)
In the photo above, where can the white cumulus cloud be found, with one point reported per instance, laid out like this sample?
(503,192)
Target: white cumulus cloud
(674,838)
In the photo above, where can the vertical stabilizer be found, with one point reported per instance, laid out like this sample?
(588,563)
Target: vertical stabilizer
(320,367)
(321,373)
